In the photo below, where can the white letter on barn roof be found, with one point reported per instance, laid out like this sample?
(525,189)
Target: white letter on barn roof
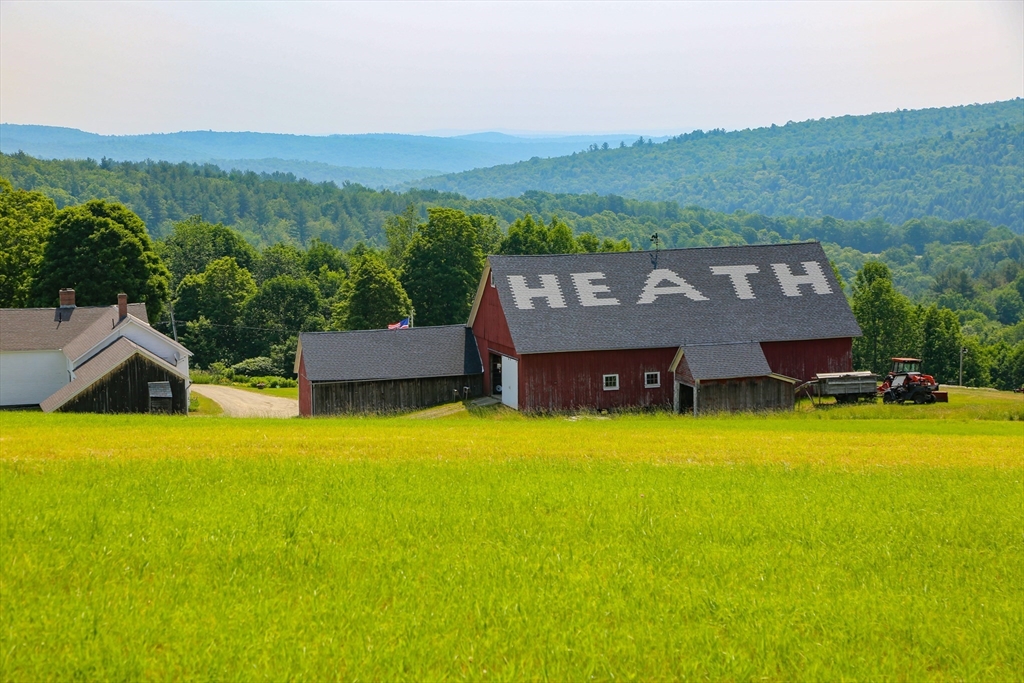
(652,291)
(524,295)
(812,276)
(738,274)
(587,291)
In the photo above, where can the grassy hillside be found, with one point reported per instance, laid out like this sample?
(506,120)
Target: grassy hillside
(717,169)
(796,547)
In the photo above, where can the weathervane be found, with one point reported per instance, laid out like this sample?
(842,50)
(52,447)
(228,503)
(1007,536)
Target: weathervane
(656,241)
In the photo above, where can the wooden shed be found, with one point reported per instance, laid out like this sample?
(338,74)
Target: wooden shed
(603,331)
(386,371)
(728,378)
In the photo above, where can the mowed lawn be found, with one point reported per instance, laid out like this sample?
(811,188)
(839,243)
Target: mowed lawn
(859,543)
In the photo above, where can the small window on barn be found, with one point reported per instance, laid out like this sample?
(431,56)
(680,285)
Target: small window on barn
(611,382)
(492,278)
(652,380)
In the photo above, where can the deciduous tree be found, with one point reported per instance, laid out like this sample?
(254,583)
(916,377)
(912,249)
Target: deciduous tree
(101,249)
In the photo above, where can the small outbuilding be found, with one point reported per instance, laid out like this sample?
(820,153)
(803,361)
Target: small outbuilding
(718,378)
(386,371)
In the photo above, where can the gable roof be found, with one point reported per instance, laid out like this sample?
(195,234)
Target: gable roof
(98,335)
(726,361)
(100,366)
(43,329)
(675,297)
(366,355)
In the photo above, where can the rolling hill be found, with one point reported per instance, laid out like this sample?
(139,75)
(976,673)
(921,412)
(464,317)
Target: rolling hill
(850,166)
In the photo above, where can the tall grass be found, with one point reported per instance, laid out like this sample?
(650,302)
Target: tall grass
(510,548)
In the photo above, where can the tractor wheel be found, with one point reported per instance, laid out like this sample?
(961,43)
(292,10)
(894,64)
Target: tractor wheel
(920,399)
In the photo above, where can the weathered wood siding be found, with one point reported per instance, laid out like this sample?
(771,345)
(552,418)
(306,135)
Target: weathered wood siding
(570,381)
(803,359)
(126,390)
(492,334)
(748,394)
(390,396)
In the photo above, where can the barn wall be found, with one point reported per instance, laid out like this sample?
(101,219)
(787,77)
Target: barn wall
(803,359)
(125,389)
(569,381)
(305,390)
(389,396)
(492,334)
(748,394)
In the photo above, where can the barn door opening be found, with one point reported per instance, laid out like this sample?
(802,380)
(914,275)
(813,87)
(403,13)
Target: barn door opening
(686,399)
(495,375)
(510,382)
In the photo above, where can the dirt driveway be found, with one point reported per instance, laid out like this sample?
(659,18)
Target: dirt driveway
(238,403)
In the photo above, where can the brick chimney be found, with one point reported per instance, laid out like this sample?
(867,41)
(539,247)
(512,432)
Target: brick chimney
(122,307)
(67,298)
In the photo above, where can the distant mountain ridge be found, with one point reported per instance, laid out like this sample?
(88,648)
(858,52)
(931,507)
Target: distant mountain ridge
(641,170)
(353,156)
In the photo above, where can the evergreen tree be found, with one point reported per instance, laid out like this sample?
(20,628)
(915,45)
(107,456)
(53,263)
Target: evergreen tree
(442,268)
(101,249)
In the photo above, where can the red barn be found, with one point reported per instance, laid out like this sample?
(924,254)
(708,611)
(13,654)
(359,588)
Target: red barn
(719,328)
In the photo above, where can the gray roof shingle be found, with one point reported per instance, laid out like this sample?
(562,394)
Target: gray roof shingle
(712,295)
(367,355)
(37,329)
(726,361)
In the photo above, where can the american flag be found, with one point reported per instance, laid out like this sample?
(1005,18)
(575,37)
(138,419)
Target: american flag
(402,324)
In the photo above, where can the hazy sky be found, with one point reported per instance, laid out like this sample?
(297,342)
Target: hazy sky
(548,67)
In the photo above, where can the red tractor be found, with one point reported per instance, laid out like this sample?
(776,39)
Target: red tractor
(905,382)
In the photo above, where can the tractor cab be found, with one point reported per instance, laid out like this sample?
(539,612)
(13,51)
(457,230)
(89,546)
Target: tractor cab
(905,382)
(905,366)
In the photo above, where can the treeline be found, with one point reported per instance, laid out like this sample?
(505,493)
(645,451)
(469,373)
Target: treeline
(893,326)
(267,209)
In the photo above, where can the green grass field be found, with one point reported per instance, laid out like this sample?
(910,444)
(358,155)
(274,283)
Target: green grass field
(857,542)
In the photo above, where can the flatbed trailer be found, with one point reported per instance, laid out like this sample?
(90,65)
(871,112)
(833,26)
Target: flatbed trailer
(847,387)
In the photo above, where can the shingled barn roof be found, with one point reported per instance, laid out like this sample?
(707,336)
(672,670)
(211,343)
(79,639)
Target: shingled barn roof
(51,329)
(368,355)
(675,297)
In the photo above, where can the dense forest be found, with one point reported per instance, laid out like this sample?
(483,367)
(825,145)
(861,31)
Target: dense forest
(961,162)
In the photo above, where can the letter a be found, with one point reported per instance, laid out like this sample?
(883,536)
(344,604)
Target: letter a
(679,286)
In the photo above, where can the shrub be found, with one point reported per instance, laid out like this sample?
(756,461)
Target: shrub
(260,366)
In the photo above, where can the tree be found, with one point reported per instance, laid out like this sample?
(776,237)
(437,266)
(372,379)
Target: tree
(281,307)
(488,231)
(885,317)
(101,249)
(526,236)
(375,298)
(443,267)
(277,260)
(940,344)
(194,244)
(560,239)
(322,254)
(217,295)
(25,221)
(399,230)
(952,280)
